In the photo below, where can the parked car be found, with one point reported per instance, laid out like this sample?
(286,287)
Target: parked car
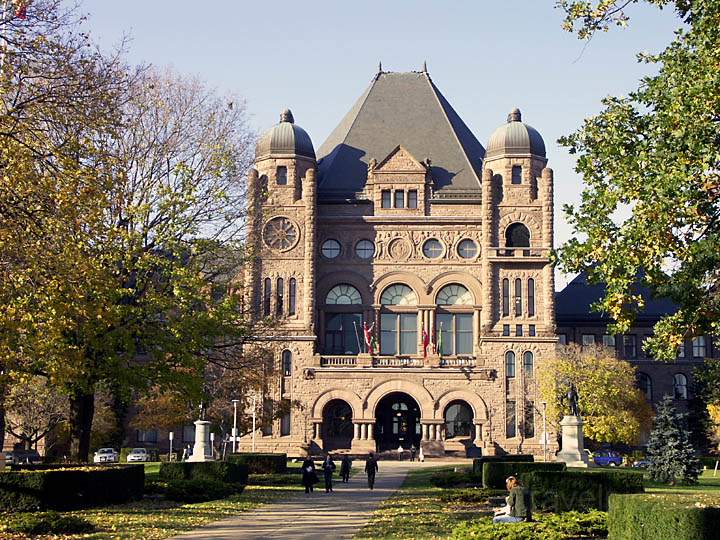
(607,458)
(641,463)
(16,457)
(138,454)
(106,455)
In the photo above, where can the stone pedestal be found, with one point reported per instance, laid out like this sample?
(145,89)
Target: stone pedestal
(201,449)
(364,360)
(573,444)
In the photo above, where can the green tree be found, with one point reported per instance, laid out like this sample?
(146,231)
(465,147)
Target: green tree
(651,168)
(613,408)
(672,456)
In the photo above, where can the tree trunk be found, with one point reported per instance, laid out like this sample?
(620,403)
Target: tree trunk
(82,409)
(2,417)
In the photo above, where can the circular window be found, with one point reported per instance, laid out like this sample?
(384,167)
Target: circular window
(280,233)
(467,249)
(365,249)
(331,249)
(432,249)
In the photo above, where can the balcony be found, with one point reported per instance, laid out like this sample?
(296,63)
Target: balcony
(339,361)
(397,361)
(519,252)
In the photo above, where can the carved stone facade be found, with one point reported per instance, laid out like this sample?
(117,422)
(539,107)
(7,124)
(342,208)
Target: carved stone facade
(433,238)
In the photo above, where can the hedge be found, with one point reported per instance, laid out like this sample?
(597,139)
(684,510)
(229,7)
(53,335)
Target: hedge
(259,463)
(220,471)
(70,488)
(641,517)
(494,474)
(200,490)
(564,491)
(478,462)
(449,479)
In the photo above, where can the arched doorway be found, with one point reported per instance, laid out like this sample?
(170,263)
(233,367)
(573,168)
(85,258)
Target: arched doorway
(458,420)
(337,426)
(397,422)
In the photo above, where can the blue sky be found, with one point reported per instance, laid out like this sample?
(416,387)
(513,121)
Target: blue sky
(318,56)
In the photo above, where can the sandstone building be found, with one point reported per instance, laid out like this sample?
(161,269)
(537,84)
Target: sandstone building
(402,221)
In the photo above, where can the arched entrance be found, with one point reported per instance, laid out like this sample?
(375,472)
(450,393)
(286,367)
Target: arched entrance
(337,426)
(397,422)
(458,420)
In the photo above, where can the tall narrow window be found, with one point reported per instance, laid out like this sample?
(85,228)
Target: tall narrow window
(506,297)
(531,297)
(287,363)
(562,339)
(292,297)
(282,176)
(398,333)
(518,330)
(510,423)
(517,174)
(285,420)
(506,330)
(680,386)
(386,198)
(698,345)
(528,362)
(510,364)
(518,297)
(588,340)
(267,295)
(412,198)
(529,423)
(279,293)
(644,383)
(400,198)
(630,346)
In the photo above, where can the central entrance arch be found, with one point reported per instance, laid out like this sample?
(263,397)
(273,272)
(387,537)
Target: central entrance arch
(397,422)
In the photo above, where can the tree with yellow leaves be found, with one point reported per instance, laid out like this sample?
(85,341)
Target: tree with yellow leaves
(613,408)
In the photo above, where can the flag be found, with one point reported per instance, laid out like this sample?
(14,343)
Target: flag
(440,340)
(21,8)
(425,340)
(370,341)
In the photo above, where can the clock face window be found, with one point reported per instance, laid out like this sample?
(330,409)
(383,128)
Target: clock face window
(280,233)
(330,249)
(432,249)
(467,249)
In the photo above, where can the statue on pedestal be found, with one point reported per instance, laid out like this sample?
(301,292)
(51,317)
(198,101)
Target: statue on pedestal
(571,427)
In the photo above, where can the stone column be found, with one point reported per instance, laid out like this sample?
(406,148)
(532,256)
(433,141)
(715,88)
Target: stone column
(478,432)
(431,432)
(317,430)
(548,284)
(201,448)
(488,209)
(439,432)
(356,431)
(309,277)
(371,434)
(363,432)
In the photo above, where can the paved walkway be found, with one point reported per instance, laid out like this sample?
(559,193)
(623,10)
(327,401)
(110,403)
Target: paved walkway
(318,515)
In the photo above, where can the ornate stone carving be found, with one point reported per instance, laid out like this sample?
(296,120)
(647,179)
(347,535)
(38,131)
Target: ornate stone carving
(280,233)
(399,249)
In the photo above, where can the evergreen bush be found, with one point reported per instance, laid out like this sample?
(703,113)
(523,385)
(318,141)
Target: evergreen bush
(200,490)
(220,471)
(34,523)
(545,527)
(494,474)
(448,479)
(478,462)
(672,456)
(260,463)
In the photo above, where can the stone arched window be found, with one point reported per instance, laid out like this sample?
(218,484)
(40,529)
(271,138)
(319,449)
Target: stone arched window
(458,420)
(510,364)
(454,320)
(531,297)
(287,363)
(279,297)
(343,320)
(398,320)
(517,235)
(644,383)
(680,386)
(267,296)
(505,297)
(292,297)
(528,364)
(518,297)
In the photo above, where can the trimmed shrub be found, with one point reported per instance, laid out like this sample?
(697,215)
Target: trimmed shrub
(70,488)
(260,463)
(578,490)
(478,462)
(287,479)
(448,479)
(470,495)
(200,490)
(545,527)
(494,474)
(652,517)
(220,471)
(47,523)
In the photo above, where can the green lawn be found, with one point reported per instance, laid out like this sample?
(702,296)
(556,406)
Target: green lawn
(707,485)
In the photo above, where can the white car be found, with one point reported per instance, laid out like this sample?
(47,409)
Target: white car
(138,454)
(106,455)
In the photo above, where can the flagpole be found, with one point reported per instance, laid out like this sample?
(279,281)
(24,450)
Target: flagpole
(357,337)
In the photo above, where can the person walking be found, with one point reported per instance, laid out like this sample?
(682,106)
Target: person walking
(328,468)
(371,467)
(413,451)
(519,503)
(345,466)
(309,476)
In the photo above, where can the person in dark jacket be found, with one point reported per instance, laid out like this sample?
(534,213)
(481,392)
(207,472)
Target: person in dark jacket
(309,476)
(371,467)
(328,468)
(345,466)
(519,503)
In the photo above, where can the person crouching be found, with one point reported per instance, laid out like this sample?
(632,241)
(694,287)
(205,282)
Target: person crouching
(519,503)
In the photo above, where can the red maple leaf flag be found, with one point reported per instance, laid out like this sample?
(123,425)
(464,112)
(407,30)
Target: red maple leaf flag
(425,340)
(369,338)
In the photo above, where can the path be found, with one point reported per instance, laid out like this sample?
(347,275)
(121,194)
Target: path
(319,515)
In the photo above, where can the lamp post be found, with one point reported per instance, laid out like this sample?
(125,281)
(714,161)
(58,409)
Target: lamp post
(235,404)
(254,421)
(545,434)
(170,436)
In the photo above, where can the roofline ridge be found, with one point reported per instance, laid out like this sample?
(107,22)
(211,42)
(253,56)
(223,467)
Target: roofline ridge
(435,91)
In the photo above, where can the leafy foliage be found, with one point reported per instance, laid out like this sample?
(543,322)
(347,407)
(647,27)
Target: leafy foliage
(653,156)
(612,407)
(545,527)
(47,523)
(200,490)
(672,457)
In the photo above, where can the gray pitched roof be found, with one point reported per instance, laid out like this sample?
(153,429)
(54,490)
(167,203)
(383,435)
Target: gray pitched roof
(574,301)
(400,109)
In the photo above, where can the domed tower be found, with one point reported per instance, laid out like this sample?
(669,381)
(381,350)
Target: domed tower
(518,232)
(281,216)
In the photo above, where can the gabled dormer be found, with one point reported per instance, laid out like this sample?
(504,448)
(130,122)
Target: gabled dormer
(399,184)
